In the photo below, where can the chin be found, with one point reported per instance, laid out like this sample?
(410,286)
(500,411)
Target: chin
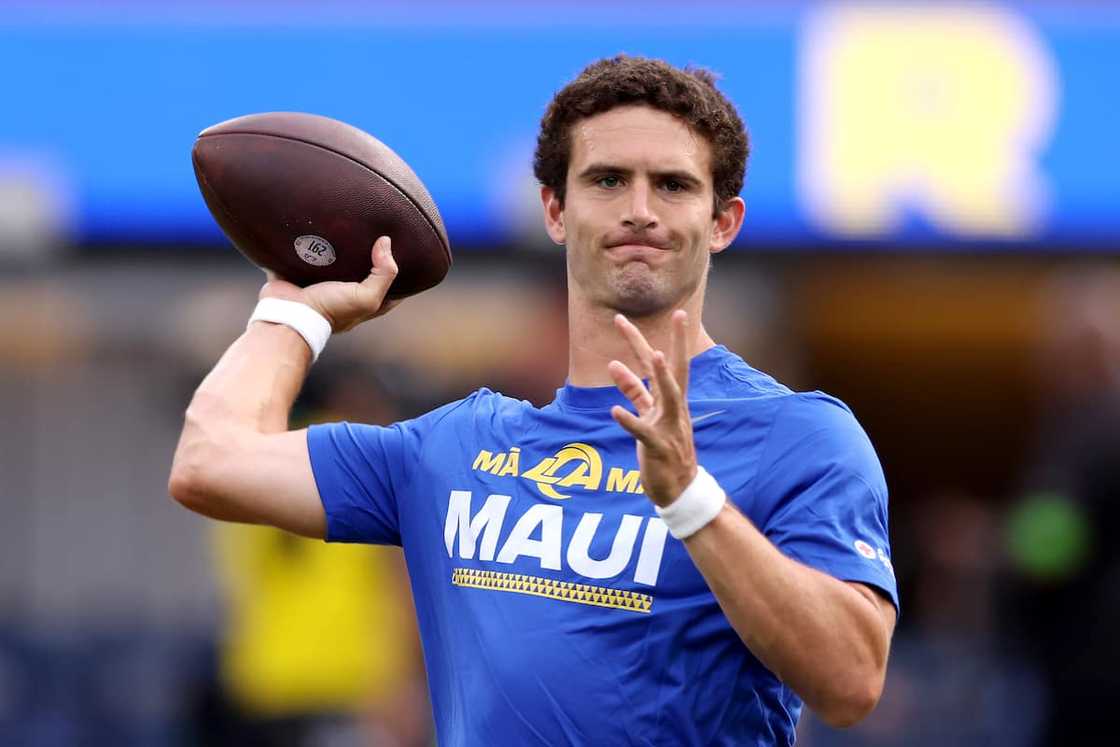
(638,297)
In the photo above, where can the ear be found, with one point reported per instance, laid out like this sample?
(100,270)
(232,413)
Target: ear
(553,215)
(728,222)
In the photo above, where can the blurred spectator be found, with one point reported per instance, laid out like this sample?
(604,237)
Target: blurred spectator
(1061,536)
(320,645)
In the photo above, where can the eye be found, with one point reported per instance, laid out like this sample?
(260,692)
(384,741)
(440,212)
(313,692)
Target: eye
(609,182)
(672,185)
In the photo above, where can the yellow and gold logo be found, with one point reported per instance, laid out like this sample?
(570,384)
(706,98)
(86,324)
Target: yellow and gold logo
(575,465)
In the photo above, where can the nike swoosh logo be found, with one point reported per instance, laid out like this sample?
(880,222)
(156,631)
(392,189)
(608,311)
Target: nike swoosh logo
(707,415)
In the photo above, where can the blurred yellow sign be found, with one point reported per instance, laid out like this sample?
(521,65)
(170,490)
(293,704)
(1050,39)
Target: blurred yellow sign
(938,111)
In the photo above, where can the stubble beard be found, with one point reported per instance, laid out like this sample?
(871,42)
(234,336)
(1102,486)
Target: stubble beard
(634,288)
(640,291)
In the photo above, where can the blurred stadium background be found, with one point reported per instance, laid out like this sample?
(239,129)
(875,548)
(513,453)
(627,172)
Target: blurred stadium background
(933,234)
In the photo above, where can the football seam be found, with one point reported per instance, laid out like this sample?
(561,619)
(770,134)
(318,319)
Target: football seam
(387,180)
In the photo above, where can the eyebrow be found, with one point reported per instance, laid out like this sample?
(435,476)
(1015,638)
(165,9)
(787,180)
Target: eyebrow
(606,168)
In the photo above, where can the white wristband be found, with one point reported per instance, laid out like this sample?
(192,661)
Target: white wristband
(312,326)
(700,502)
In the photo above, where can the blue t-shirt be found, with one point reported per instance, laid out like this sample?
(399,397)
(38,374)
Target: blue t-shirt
(553,606)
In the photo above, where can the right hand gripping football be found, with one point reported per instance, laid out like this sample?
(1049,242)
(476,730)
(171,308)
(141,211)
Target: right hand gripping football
(345,305)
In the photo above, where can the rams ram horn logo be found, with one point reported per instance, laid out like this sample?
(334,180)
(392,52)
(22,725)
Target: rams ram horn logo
(587,472)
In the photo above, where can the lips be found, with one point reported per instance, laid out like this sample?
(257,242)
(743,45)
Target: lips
(635,247)
(637,241)
(631,252)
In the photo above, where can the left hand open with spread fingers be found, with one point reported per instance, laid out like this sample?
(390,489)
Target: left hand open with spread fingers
(662,425)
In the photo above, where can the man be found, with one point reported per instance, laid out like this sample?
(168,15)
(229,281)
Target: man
(572,588)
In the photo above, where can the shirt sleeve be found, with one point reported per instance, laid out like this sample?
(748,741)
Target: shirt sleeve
(362,473)
(823,494)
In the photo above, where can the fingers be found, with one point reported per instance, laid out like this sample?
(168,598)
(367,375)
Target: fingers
(678,348)
(276,287)
(637,341)
(637,427)
(670,392)
(642,350)
(631,385)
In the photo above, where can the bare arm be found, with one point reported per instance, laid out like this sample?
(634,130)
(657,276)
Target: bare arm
(236,459)
(825,638)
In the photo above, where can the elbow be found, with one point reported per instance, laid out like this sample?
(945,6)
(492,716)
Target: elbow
(191,480)
(183,486)
(851,704)
(186,485)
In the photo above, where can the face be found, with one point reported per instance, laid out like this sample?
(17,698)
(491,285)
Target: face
(637,218)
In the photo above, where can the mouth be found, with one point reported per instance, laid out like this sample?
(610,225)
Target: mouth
(635,252)
(635,239)
(635,249)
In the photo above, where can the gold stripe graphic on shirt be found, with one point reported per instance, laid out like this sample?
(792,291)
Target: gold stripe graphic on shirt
(565,591)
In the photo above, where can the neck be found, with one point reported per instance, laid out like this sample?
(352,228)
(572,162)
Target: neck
(593,340)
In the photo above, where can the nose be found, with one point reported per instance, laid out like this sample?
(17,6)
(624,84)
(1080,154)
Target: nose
(639,215)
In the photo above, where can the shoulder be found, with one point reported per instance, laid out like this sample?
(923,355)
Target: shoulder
(480,406)
(729,376)
(816,432)
(485,401)
(766,403)
(768,408)
(447,427)
(816,411)
(788,411)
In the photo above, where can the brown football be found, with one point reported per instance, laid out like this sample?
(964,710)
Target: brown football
(306,196)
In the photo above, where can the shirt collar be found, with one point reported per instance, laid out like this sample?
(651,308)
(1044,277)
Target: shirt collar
(569,397)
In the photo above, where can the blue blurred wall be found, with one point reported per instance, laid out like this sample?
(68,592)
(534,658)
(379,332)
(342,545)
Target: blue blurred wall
(102,105)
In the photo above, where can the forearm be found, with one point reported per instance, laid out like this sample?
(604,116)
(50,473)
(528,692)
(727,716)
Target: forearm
(236,458)
(817,634)
(249,392)
(256,381)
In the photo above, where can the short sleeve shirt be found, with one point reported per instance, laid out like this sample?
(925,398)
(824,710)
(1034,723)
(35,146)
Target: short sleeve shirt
(554,607)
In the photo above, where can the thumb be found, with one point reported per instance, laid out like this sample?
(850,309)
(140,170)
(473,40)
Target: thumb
(383,273)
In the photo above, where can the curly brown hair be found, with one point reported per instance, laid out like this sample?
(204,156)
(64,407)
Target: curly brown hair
(689,94)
